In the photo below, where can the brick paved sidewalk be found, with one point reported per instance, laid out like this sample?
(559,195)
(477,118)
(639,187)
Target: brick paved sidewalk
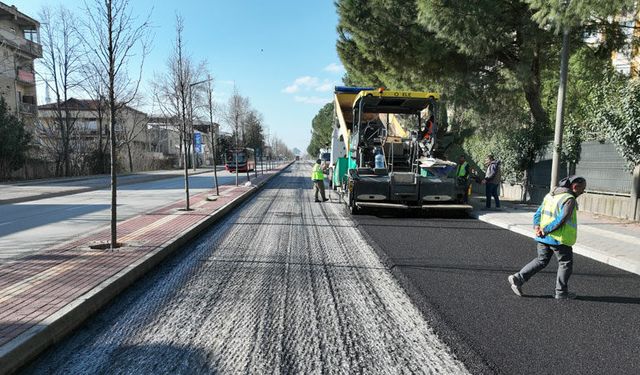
(71,281)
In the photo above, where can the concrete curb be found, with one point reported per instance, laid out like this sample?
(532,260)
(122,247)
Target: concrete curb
(19,351)
(71,191)
(615,261)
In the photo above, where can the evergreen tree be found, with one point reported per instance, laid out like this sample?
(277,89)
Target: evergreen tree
(321,129)
(15,139)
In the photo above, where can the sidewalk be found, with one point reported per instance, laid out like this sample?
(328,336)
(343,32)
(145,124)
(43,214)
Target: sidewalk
(613,241)
(24,191)
(45,296)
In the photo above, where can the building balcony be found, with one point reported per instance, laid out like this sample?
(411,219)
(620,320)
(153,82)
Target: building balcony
(26,46)
(28,109)
(26,77)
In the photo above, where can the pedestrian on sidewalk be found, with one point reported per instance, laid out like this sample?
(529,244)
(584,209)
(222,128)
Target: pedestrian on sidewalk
(317,176)
(556,227)
(492,180)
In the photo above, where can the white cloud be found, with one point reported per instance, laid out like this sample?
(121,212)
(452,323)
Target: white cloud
(311,99)
(334,68)
(309,83)
(306,81)
(325,87)
(291,89)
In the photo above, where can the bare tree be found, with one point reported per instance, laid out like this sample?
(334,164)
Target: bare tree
(94,85)
(62,60)
(137,124)
(175,95)
(237,109)
(114,37)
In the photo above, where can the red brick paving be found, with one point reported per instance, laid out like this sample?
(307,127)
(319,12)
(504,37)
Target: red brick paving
(35,287)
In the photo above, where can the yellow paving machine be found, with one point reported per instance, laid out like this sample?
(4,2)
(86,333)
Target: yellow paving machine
(383,152)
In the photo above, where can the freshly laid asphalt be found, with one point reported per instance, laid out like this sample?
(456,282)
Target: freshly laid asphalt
(456,271)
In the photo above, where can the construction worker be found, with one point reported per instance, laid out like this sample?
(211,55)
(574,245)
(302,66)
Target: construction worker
(317,176)
(463,172)
(492,180)
(556,228)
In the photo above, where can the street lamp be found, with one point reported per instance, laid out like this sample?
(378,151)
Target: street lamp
(213,137)
(193,138)
(557,137)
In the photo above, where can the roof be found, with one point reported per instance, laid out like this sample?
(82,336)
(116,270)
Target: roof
(80,105)
(12,13)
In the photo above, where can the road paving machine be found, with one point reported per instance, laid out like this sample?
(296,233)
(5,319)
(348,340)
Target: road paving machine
(388,141)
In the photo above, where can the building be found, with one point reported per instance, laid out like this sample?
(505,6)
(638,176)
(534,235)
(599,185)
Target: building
(88,125)
(19,47)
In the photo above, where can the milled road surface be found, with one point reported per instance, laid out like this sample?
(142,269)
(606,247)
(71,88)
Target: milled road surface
(283,285)
(459,267)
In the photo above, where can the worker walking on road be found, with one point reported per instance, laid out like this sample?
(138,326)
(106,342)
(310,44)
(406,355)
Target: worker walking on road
(317,176)
(556,228)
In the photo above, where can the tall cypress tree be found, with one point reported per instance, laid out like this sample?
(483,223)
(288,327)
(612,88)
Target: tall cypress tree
(15,139)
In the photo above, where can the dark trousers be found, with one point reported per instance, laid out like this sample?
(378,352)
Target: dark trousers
(491,190)
(564,254)
(318,187)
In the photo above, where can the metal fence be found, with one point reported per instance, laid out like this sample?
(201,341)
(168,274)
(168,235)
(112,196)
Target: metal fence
(600,163)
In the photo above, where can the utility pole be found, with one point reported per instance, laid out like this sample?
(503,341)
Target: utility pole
(214,137)
(562,90)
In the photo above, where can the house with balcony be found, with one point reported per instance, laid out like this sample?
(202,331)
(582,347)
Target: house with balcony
(19,47)
(88,125)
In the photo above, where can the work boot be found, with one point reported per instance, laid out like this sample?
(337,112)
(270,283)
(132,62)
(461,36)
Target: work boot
(565,295)
(516,284)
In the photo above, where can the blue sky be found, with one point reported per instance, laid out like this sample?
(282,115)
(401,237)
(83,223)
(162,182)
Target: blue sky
(280,54)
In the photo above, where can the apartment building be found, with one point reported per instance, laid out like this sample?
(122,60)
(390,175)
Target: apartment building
(88,124)
(19,47)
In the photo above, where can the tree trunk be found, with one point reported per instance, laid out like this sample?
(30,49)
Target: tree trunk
(112,111)
(130,157)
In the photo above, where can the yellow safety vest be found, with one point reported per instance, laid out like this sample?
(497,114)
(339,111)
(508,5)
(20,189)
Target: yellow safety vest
(568,232)
(462,170)
(316,173)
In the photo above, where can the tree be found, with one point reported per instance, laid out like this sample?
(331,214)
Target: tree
(94,86)
(616,111)
(113,37)
(254,131)
(322,129)
(237,108)
(495,62)
(127,137)
(62,61)
(15,141)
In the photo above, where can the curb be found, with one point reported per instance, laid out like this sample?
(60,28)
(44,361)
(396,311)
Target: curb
(19,351)
(586,251)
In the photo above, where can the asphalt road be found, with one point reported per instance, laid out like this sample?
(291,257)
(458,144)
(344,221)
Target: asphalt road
(29,227)
(282,285)
(455,270)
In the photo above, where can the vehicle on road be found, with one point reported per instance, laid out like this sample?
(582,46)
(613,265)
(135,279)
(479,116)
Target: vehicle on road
(242,159)
(385,148)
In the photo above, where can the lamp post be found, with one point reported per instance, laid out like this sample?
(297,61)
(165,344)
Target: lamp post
(193,138)
(557,139)
(214,137)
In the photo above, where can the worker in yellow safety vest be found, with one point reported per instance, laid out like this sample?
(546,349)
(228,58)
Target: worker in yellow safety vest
(463,173)
(556,229)
(317,176)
